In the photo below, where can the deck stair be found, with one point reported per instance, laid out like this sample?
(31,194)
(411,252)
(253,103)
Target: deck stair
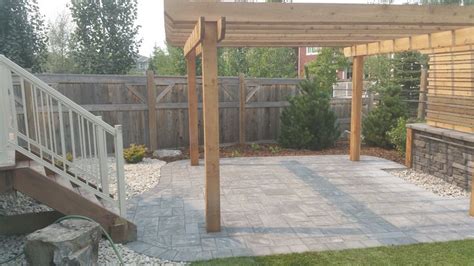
(56,152)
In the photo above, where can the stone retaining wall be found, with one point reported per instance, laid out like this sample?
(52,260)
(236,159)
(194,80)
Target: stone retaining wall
(445,153)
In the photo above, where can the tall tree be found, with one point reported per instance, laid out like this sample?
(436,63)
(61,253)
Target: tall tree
(272,62)
(233,61)
(168,61)
(326,65)
(105,38)
(22,33)
(59,57)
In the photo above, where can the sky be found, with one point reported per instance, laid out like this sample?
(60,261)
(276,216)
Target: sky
(150,18)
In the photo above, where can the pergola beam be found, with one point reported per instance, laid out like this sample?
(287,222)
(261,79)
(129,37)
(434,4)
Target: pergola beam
(444,39)
(197,35)
(303,24)
(195,38)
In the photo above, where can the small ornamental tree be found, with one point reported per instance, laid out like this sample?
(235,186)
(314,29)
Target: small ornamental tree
(383,118)
(309,122)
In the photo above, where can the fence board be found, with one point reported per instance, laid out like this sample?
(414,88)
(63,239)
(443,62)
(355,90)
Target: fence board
(122,100)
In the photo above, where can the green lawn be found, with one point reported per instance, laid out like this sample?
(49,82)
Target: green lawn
(445,253)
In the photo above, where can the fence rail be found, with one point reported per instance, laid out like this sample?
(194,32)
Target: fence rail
(127,100)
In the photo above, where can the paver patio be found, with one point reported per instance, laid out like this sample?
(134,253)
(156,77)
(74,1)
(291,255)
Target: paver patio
(273,205)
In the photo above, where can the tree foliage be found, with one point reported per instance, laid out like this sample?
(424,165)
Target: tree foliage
(169,61)
(326,65)
(395,79)
(383,118)
(22,33)
(271,62)
(105,38)
(59,42)
(253,62)
(309,122)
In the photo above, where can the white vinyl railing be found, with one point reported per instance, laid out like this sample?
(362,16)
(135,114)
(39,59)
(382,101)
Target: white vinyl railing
(41,123)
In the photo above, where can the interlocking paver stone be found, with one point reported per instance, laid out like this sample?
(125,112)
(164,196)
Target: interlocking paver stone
(275,205)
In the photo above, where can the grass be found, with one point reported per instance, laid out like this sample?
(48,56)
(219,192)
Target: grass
(442,253)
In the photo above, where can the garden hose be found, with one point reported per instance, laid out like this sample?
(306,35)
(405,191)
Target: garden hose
(76,217)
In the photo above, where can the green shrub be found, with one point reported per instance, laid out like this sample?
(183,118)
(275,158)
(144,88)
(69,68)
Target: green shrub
(275,149)
(255,146)
(309,122)
(384,117)
(398,135)
(134,153)
(59,163)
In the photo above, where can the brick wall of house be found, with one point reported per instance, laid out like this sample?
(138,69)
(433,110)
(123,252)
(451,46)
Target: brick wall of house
(444,153)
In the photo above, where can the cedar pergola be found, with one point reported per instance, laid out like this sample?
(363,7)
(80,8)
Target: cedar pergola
(202,26)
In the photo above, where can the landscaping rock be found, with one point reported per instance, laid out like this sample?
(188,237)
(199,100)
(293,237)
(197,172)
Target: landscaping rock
(70,242)
(160,154)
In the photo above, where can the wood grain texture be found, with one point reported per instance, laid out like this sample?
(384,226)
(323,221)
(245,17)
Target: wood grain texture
(313,24)
(356,107)
(151,101)
(211,127)
(192,109)
(111,98)
(68,202)
(450,87)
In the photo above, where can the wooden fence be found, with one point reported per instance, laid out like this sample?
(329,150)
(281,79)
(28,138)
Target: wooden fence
(126,100)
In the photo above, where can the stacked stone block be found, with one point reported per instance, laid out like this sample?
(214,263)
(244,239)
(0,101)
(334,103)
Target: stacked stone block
(444,153)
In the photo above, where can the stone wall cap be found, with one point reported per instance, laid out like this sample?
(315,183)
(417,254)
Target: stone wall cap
(450,133)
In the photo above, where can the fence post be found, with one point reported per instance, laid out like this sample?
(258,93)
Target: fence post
(151,102)
(422,96)
(241,108)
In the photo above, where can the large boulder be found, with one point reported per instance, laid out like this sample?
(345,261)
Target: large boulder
(167,154)
(70,242)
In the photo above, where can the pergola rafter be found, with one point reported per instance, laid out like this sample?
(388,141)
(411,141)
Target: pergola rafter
(200,26)
(436,40)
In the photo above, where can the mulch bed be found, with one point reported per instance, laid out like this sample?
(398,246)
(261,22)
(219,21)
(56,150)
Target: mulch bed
(261,150)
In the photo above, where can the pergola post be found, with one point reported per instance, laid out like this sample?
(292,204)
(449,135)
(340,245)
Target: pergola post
(211,126)
(192,108)
(356,106)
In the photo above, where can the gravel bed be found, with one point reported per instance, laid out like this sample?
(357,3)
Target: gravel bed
(140,177)
(431,183)
(10,246)
(18,203)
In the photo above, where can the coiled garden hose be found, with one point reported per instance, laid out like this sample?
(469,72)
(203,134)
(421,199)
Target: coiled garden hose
(76,217)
